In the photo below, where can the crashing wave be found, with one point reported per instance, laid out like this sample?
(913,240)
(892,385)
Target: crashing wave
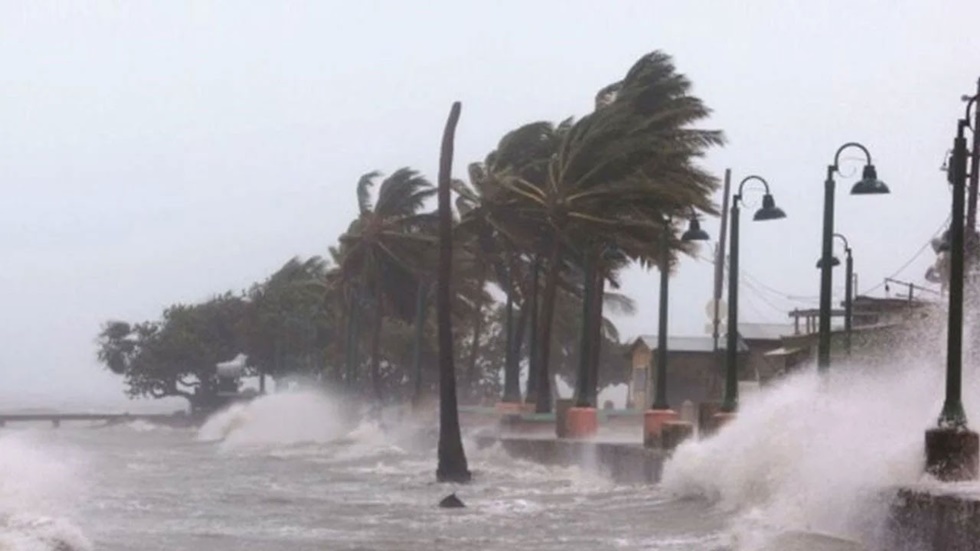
(36,484)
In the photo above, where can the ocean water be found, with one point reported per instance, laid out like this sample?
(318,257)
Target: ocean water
(285,473)
(808,464)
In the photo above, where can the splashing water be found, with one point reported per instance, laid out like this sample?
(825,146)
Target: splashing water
(286,418)
(37,485)
(817,454)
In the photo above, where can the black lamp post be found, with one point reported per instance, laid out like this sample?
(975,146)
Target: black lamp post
(868,185)
(848,289)
(952,449)
(768,211)
(693,233)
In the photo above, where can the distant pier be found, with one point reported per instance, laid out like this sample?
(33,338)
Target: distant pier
(56,419)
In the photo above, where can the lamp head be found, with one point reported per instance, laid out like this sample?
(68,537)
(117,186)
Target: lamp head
(769,210)
(834,261)
(694,231)
(869,183)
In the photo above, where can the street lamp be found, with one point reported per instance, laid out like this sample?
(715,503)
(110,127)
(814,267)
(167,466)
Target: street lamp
(869,184)
(660,411)
(952,449)
(848,288)
(768,211)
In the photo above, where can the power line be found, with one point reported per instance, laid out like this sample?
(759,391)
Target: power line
(762,297)
(810,299)
(782,294)
(911,260)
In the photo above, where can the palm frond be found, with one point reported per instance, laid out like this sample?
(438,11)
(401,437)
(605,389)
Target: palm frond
(402,193)
(618,303)
(364,185)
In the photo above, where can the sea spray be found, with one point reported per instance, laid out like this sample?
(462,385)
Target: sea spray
(38,485)
(284,418)
(815,453)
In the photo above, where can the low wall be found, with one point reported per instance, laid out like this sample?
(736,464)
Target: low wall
(935,519)
(922,519)
(623,463)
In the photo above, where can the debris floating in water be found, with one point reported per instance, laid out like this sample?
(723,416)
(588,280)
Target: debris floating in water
(451,502)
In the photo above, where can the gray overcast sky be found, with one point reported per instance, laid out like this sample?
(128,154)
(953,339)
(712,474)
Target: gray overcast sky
(161,152)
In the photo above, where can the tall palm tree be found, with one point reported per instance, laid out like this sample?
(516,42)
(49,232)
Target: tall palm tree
(496,234)
(487,246)
(617,172)
(451,457)
(382,253)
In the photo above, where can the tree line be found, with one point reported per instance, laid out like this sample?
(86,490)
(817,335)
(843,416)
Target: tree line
(541,229)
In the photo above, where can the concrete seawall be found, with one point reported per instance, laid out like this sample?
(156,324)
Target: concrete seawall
(942,518)
(928,518)
(621,462)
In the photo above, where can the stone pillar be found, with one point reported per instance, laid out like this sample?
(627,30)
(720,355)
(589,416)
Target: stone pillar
(581,422)
(653,422)
(952,454)
(562,405)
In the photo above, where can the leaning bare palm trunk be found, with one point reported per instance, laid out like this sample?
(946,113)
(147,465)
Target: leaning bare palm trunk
(452,459)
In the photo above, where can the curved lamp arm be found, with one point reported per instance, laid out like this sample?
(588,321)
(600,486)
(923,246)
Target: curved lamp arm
(847,246)
(970,103)
(848,145)
(741,185)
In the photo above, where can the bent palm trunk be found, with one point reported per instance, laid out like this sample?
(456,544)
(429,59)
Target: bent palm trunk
(543,402)
(597,335)
(452,459)
(583,397)
(531,394)
(420,308)
(512,388)
(471,379)
(376,350)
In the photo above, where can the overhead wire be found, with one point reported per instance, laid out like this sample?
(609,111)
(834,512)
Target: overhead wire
(909,262)
(809,300)
(748,285)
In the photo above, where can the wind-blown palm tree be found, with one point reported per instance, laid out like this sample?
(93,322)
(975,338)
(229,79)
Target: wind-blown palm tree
(496,236)
(617,173)
(382,253)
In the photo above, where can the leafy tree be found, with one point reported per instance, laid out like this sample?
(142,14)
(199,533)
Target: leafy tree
(288,324)
(177,355)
